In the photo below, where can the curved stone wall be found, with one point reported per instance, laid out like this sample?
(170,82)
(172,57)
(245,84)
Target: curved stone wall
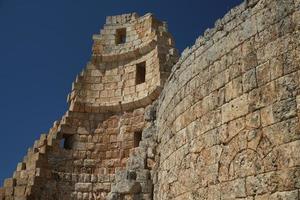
(225,126)
(228,117)
(109,82)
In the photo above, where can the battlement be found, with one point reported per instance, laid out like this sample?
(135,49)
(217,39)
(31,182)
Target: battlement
(121,19)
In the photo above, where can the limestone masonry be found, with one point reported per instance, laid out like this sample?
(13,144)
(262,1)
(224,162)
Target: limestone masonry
(220,122)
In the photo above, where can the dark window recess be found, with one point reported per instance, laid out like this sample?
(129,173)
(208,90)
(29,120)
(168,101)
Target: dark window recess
(121,36)
(67,142)
(140,73)
(137,138)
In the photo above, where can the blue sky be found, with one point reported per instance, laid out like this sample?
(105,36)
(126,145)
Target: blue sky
(44,44)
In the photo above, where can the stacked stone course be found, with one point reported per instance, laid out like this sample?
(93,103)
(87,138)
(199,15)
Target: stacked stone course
(228,116)
(81,154)
(109,81)
(221,123)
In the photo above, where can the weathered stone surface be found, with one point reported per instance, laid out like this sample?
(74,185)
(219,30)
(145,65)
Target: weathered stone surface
(127,187)
(110,106)
(224,125)
(248,77)
(234,109)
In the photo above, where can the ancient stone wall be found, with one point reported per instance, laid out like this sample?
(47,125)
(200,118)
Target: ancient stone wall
(228,117)
(110,81)
(224,126)
(81,154)
(78,159)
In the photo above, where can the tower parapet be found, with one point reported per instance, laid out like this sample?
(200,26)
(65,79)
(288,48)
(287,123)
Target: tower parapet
(131,59)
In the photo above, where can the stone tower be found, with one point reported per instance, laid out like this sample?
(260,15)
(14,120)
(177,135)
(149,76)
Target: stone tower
(224,125)
(131,59)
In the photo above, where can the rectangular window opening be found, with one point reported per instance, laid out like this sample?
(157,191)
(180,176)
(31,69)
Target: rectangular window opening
(140,73)
(137,138)
(67,142)
(121,36)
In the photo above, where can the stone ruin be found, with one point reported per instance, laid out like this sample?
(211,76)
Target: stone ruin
(219,122)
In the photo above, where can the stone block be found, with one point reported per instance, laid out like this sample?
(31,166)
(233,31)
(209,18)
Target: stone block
(89,162)
(94,178)
(261,184)
(147,187)
(290,195)
(22,181)
(233,189)
(143,175)
(98,187)
(82,131)
(9,191)
(19,191)
(287,86)
(233,89)
(263,73)
(263,96)
(9,182)
(214,192)
(267,117)
(235,127)
(83,187)
(85,196)
(249,80)
(250,61)
(235,108)
(288,155)
(127,187)
(284,109)
(276,67)
(253,120)
(291,63)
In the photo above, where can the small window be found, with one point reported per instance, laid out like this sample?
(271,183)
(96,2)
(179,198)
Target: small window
(121,36)
(137,138)
(67,142)
(140,73)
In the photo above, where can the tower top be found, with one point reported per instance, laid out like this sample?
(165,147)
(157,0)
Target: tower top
(121,19)
(131,58)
